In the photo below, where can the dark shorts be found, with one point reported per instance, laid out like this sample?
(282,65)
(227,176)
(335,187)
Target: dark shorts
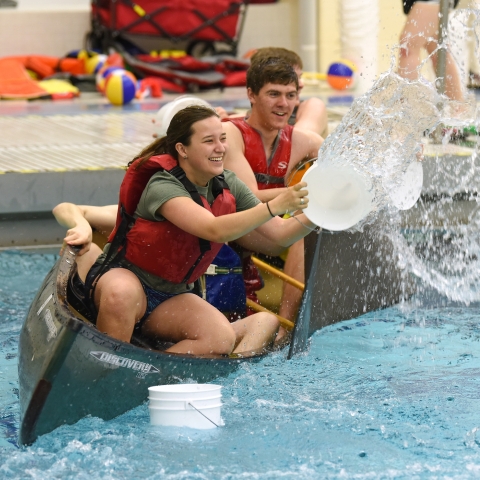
(154,297)
(408,4)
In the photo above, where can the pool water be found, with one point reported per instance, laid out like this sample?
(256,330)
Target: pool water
(391,394)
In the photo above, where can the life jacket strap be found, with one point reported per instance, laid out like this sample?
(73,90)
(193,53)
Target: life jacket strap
(269,179)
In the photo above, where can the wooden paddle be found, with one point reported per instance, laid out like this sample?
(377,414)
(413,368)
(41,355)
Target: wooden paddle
(278,273)
(302,325)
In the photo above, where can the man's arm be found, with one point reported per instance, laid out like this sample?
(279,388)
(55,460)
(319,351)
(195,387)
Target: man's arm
(312,115)
(305,145)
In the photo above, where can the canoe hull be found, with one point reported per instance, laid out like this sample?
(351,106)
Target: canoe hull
(356,273)
(68,369)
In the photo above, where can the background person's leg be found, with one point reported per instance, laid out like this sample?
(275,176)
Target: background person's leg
(421,27)
(421,32)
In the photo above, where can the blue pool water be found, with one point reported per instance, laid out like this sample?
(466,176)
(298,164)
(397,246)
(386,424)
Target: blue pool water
(392,394)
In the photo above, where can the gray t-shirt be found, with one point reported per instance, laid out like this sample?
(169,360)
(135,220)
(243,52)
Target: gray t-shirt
(163,187)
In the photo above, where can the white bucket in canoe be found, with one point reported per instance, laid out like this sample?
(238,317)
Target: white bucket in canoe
(186,405)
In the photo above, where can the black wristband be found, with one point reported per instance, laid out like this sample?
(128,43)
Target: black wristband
(269,211)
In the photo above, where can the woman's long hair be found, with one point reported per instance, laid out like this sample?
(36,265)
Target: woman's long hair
(180,130)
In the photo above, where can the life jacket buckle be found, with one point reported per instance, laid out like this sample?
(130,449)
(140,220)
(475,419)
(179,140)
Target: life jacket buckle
(211,270)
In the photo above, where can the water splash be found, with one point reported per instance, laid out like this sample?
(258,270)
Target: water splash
(381,134)
(438,240)
(440,244)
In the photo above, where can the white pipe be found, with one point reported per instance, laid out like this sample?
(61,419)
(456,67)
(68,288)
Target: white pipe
(359,24)
(308,28)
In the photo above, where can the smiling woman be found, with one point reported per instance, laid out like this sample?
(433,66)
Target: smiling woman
(178,207)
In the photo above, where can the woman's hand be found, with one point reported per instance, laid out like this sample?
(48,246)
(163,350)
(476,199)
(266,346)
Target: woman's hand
(78,236)
(293,199)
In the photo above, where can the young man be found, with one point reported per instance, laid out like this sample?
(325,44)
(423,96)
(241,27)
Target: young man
(309,114)
(264,149)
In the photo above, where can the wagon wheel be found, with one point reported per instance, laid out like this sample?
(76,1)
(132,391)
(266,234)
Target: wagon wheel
(201,48)
(193,87)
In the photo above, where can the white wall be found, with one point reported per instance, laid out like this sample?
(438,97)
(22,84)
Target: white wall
(52,4)
(42,32)
(274,24)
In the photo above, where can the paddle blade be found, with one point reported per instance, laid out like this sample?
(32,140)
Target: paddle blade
(302,325)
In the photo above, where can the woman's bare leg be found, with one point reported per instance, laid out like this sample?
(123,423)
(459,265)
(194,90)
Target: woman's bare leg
(193,324)
(120,301)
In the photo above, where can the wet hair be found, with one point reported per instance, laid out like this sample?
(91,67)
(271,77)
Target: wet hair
(180,130)
(270,70)
(288,56)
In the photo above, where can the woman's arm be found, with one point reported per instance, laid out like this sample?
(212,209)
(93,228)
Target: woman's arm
(101,219)
(286,232)
(194,219)
(80,219)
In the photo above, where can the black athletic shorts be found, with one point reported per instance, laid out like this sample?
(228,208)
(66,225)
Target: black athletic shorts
(408,4)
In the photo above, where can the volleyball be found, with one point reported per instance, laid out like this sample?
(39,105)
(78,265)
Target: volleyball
(102,75)
(120,87)
(95,63)
(341,74)
(81,54)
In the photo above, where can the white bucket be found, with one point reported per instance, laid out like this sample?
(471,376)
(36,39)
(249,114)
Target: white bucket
(186,405)
(339,197)
(179,403)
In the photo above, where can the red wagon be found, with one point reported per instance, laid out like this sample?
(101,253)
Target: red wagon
(200,26)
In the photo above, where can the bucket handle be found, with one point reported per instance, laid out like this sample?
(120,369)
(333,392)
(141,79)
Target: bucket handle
(201,413)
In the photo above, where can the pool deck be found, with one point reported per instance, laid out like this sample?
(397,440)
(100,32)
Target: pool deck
(75,150)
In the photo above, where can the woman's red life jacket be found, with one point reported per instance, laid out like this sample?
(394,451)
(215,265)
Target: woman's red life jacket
(268,174)
(161,248)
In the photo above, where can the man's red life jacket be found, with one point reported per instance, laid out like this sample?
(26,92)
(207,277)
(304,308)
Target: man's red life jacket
(161,248)
(269,174)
